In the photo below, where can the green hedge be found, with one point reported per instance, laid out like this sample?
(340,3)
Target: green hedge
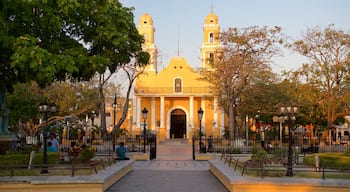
(329,160)
(13,158)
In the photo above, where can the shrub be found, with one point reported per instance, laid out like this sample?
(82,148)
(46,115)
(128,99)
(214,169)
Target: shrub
(347,152)
(86,155)
(259,156)
(279,153)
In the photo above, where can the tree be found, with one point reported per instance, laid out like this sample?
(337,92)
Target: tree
(113,41)
(38,45)
(132,70)
(23,108)
(328,51)
(244,53)
(73,98)
(47,41)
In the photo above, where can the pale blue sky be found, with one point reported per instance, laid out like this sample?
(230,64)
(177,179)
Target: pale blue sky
(187,17)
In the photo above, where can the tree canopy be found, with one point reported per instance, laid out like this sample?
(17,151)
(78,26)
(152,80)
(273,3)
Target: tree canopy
(64,40)
(244,54)
(328,51)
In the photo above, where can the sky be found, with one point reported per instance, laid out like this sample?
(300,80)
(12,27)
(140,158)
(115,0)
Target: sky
(179,23)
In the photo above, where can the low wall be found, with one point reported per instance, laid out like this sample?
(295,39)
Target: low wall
(139,156)
(234,182)
(92,183)
(203,157)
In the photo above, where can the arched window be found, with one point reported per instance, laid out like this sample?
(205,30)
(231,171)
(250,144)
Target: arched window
(211,37)
(211,58)
(178,85)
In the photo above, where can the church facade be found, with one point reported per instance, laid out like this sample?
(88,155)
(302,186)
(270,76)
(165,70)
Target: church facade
(174,95)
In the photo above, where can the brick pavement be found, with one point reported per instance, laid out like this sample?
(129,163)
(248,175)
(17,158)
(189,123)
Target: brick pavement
(173,171)
(168,181)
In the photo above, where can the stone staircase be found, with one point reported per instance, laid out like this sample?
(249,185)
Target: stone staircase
(174,149)
(175,142)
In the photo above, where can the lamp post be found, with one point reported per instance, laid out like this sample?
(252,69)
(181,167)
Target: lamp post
(114,114)
(44,109)
(200,116)
(93,115)
(289,113)
(144,115)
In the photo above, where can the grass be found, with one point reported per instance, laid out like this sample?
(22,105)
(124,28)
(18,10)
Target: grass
(281,171)
(319,175)
(54,170)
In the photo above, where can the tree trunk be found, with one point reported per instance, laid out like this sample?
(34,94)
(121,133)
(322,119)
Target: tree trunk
(102,109)
(231,122)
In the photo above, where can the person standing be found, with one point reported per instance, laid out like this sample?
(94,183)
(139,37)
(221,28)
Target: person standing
(50,147)
(54,141)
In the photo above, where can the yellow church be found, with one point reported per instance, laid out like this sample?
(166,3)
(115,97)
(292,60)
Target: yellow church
(174,95)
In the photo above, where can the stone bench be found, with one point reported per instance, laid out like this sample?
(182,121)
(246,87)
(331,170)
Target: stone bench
(233,181)
(88,183)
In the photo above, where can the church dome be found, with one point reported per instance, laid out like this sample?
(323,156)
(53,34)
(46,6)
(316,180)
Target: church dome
(211,19)
(146,19)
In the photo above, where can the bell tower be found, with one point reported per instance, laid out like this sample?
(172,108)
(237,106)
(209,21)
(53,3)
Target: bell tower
(146,29)
(211,31)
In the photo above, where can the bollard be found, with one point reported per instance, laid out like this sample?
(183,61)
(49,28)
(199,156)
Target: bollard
(317,163)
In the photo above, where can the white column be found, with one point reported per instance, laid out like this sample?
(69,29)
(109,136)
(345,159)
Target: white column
(134,113)
(138,112)
(191,113)
(215,113)
(153,113)
(162,110)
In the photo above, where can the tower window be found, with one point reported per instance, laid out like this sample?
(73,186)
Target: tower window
(211,37)
(211,58)
(178,85)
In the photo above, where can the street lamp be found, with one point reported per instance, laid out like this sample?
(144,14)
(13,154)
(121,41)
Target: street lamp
(92,116)
(200,116)
(44,109)
(144,115)
(235,104)
(289,113)
(114,114)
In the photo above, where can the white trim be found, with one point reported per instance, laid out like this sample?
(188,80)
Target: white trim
(153,113)
(162,109)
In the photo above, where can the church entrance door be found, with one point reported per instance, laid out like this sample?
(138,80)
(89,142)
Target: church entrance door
(178,124)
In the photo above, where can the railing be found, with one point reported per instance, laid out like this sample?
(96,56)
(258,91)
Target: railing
(57,169)
(227,145)
(276,170)
(103,146)
(171,90)
(220,145)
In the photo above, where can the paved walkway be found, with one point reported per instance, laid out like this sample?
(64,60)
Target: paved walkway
(173,171)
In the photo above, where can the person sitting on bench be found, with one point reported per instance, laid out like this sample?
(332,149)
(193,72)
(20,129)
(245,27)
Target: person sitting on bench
(121,152)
